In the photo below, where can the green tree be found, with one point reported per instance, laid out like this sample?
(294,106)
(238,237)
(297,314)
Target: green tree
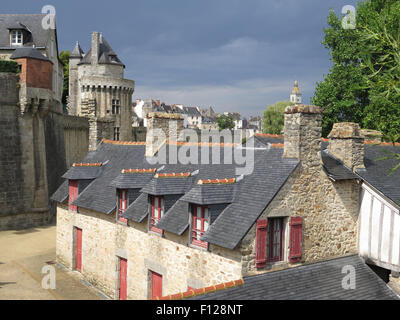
(363,83)
(64,57)
(225,122)
(273,117)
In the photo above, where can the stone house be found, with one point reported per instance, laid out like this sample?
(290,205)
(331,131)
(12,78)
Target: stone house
(99,91)
(139,230)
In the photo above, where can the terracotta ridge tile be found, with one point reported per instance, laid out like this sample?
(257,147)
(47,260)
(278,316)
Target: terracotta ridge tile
(139,170)
(217,181)
(87,164)
(196,292)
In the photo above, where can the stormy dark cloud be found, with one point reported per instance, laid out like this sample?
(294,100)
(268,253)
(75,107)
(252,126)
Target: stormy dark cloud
(234,55)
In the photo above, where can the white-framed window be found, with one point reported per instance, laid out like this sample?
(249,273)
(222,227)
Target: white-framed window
(16,37)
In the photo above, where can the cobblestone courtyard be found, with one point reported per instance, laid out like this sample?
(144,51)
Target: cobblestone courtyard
(23,254)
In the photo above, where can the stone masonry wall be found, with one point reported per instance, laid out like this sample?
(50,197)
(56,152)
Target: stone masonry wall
(329,209)
(11,179)
(330,214)
(104,241)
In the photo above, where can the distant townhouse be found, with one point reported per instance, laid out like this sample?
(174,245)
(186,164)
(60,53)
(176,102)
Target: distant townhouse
(23,37)
(142,231)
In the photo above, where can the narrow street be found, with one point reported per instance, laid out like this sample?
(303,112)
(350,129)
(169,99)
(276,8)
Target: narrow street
(23,254)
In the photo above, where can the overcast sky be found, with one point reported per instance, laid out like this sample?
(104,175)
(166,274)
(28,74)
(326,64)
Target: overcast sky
(230,54)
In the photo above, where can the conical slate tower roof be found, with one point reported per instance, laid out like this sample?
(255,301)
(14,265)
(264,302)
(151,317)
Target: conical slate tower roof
(106,54)
(77,52)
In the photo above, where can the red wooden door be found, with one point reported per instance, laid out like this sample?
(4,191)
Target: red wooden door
(78,249)
(156,285)
(123,265)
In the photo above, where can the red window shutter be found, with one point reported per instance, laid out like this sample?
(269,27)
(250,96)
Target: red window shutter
(73,193)
(261,243)
(296,239)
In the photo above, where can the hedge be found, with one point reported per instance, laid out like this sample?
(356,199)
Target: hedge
(9,66)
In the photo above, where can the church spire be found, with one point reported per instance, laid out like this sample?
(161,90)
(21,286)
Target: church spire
(295,95)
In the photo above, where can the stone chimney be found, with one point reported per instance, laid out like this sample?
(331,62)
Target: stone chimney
(302,134)
(95,48)
(347,144)
(171,125)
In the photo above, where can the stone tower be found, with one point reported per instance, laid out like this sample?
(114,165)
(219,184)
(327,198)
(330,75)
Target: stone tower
(99,92)
(295,95)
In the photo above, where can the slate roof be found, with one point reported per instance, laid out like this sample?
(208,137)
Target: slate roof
(164,186)
(28,52)
(211,194)
(30,22)
(376,172)
(77,52)
(176,219)
(131,180)
(318,281)
(61,193)
(100,195)
(192,111)
(106,54)
(336,169)
(137,210)
(76,173)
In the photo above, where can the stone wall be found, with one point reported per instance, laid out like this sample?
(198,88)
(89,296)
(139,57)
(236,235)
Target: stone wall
(330,218)
(76,138)
(11,178)
(329,209)
(104,241)
(33,152)
(169,124)
(139,133)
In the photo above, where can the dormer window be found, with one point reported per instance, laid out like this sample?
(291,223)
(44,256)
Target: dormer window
(156,211)
(200,223)
(122,204)
(16,38)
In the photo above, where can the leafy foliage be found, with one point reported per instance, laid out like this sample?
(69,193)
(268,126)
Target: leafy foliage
(225,122)
(273,117)
(9,66)
(363,85)
(64,57)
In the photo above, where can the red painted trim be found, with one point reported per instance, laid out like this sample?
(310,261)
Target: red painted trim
(78,252)
(123,270)
(156,285)
(156,217)
(73,194)
(271,243)
(122,204)
(261,243)
(296,239)
(202,230)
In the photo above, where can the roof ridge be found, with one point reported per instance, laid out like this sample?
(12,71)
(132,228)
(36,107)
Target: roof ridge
(87,164)
(196,292)
(151,170)
(173,175)
(127,143)
(217,181)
